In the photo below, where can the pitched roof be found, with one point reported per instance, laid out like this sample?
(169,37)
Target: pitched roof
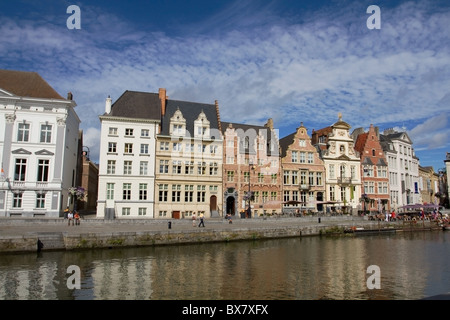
(137,105)
(26,84)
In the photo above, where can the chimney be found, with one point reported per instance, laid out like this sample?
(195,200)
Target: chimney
(108,105)
(163,97)
(218,115)
(70,96)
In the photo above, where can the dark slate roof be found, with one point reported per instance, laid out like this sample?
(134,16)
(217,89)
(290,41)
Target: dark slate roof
(27,84)
(191,112)
(249,129)
(286,142)
(138,105)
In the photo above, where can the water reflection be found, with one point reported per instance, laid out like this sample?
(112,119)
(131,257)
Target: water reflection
(413,266)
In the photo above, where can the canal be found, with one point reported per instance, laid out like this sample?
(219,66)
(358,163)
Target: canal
(411,265)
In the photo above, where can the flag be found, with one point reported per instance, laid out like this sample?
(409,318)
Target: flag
(2,176)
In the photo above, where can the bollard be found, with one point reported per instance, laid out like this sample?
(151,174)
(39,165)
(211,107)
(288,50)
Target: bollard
(169,224)
(319,219)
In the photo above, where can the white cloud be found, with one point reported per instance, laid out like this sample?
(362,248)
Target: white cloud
(257,64)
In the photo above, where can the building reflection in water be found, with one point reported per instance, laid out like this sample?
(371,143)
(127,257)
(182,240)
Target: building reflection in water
(299,268)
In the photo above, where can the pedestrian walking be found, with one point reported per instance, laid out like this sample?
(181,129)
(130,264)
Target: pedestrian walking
(202,222)
(193,220)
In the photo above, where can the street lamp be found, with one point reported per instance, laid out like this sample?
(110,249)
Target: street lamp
(249,195)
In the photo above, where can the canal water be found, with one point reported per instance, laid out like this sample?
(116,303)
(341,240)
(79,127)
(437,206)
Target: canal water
(411,265)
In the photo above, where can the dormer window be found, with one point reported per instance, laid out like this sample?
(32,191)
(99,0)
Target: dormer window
(201,126)
(178,124)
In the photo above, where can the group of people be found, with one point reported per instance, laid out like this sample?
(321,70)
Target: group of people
(202,220)
(73,217)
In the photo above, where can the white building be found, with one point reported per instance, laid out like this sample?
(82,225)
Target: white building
(342,166)
(39,142)
(403,168)
(127,156)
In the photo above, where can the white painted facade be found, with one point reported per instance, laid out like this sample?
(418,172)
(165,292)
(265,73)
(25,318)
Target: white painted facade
(403,165)
(39,141)
(343,168)
(126,167)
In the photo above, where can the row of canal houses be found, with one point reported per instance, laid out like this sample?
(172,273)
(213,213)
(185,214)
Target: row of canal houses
(164,158)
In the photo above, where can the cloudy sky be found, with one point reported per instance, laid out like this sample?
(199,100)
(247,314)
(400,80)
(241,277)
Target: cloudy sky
(290,60)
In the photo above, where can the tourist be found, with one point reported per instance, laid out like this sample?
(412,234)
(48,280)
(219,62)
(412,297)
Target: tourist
(70,217)
(193,219)
(202,223)
(77,219)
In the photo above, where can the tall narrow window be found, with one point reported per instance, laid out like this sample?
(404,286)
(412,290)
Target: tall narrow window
(46,133)
(23,133)
(43,167)
(110,191)
(40,200)
(20,171)
(126,191)
(142,191)
(17,200)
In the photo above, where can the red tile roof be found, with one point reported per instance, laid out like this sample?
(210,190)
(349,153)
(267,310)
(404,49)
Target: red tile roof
(26,84)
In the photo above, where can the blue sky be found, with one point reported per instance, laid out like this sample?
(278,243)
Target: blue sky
(293,61)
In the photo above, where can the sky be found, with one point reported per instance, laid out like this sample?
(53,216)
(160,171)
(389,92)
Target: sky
(292,61)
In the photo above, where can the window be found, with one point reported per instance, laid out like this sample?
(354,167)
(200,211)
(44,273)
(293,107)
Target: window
(163,192)
(302,177)
(213,168)
(163,146)
(128,148)
(201,193)
(111,168)
(331,169)
(311,178)
(142,211)
(126,211)
(332,196)
(189,193)
(23,134)
(112,147)
(144,148)
(302,157)
(274,178)
(273,195)
(127,166)
(145,133)
(17,200)
(46,133)
(230,176)
(177,146)
(310,157)
(40,200)
(294,156)
(265,196)
(110,191)
(142,191)
(20,171)
(162,213)
(344,194)
(189,167)
(43,167)
(176,167)
(319,178)
(129,132)
(143,168)
(302,143)
(286,196)
(163,166)
(176,193)
(294,177)
(201,168)
(126,191)
(260,177)
(286,175)
(112,131)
